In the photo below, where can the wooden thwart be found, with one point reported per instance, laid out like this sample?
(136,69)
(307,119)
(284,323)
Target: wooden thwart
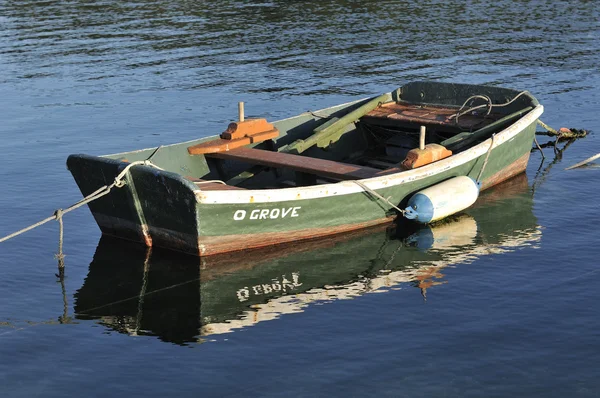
(238,134)
(221,145)
(322,167)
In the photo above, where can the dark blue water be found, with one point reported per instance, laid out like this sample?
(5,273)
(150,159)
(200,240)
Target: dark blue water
(510,308)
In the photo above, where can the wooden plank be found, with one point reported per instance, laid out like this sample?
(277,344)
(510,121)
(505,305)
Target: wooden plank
(220,145)
(421,114)
(247,128)
(303,164)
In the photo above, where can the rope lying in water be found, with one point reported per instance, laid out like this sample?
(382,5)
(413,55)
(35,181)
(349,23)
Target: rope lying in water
(100,192)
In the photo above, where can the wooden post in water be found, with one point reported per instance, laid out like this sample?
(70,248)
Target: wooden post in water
(422,138)
(241,111)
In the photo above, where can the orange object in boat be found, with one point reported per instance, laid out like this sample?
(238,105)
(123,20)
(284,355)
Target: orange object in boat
(248,127)
(421,157)
(238,134)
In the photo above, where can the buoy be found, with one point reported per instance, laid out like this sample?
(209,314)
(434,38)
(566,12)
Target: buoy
(442,200)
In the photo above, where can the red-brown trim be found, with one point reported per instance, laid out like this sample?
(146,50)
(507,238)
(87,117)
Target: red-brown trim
(515,168)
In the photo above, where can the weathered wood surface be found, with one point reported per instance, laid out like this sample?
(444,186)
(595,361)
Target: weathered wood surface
(304,164)
(246,128)
(224,145)
(237,134)
(420,157)
(427,115)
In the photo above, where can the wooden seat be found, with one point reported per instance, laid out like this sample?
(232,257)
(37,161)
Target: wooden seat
(321,167)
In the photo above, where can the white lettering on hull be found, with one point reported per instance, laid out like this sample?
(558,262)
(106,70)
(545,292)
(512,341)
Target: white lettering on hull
(239,215)
(266,214)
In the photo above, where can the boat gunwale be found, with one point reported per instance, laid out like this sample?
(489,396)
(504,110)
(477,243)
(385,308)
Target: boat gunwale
(348,187)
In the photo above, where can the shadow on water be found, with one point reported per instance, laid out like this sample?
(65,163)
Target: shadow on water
(181,298)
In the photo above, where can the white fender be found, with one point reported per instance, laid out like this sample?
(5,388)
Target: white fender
(443,199)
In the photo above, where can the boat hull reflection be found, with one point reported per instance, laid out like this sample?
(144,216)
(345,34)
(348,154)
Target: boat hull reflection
(181,298)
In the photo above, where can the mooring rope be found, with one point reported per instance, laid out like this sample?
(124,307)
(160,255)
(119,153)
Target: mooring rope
(100,192)
(539,147)
(487,156)
(138,317)
(372,192)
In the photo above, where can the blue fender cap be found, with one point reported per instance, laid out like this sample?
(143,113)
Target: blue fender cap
(419,209)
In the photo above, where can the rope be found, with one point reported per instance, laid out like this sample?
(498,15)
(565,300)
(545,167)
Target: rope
(100,192)
(538,147)
(488,103)
(372,192)
(210,182)
(138,317)
(562,133)
(60,256)
(544,125)
(486,160)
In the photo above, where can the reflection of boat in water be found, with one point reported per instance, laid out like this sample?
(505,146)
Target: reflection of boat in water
(179,297)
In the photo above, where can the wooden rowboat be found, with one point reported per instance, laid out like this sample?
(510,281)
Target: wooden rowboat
(316,174)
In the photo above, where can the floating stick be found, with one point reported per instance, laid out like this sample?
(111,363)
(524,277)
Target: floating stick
(584,162)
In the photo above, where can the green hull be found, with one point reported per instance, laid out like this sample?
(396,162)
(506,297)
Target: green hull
(182,298)
(164,209)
